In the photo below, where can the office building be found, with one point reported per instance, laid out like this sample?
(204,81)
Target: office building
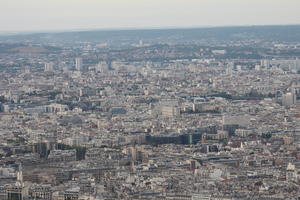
(78,64)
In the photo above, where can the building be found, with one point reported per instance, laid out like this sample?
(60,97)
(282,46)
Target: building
(289,99)
(78,64)
(257,67)
(170,111)
(62,155)
(54,108)
(203,107)
(265,63)
(14,193)
(48,67)
(72,194)
(40,192)
(102,67)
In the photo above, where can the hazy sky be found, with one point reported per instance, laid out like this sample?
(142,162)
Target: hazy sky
(24,15)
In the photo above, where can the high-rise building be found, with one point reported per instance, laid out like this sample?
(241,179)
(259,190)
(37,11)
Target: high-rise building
(288,99)
(48,67)
(78,64)
(265,63)
(230,68)
(257,67)
(102,67)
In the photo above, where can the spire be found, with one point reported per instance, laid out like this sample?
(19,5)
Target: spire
(20,176)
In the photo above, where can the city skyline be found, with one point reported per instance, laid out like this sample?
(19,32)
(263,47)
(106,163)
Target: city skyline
(149,99)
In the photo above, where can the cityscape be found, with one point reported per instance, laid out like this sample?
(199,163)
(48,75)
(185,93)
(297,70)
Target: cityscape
(209,113)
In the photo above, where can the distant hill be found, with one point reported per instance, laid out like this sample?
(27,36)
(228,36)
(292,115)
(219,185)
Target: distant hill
(281,33)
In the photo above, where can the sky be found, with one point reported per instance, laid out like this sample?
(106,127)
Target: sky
(41,15)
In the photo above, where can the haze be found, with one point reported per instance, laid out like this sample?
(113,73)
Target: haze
(37,15)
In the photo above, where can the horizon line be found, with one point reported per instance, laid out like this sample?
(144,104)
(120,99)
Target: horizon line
(28,32)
